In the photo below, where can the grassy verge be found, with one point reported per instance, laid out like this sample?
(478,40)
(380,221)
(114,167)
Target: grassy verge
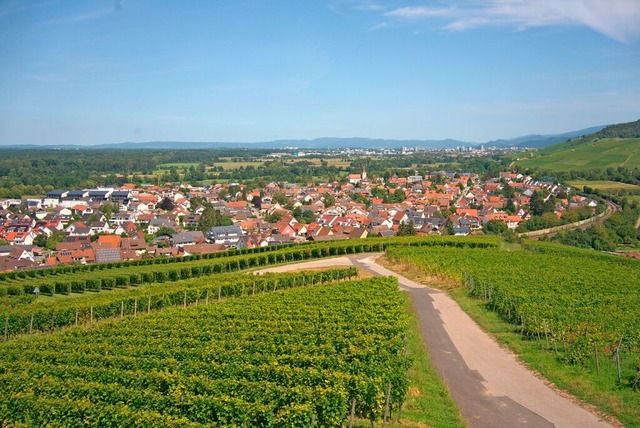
(597,391)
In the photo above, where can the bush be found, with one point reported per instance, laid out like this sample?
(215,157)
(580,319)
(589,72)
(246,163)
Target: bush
(15,290)
(122,281)
(78,286)
(47,289)
(62,288)
(108,283)
(93,285)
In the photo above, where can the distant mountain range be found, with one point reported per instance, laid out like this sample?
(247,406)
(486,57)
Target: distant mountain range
(530,141)
(538,141)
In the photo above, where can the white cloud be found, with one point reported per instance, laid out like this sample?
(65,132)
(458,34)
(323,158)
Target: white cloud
(617,19)
(420,12)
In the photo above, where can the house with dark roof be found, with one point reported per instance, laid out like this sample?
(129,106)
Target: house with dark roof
(227,235)
(54,198)
(77,195)
(120,196)
(98,195)
(187,238)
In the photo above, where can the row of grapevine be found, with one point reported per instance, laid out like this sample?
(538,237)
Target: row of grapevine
(292,358)
(65,269)
(581,304)
(96,277)
(52,315)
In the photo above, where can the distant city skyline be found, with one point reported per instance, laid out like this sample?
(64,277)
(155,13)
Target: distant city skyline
(99,72)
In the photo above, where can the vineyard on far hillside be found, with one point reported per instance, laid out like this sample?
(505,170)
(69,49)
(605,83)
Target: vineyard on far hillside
(300,357)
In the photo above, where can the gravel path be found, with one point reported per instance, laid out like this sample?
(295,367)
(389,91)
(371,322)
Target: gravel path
(489,385)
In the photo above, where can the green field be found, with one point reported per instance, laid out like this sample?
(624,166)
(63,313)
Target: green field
(577,155)
(603,185)
(563,310)
(230,166)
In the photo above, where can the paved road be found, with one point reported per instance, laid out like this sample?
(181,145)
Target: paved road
(489,385)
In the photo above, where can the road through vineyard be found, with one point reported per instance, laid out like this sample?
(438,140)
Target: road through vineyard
(489,385)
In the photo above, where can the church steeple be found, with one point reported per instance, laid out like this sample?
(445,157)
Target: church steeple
(364,172)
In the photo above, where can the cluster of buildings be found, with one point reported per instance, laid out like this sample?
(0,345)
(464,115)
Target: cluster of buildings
(130,222)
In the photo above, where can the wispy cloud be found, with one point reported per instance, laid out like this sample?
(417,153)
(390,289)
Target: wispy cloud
(617,19)
(421,12)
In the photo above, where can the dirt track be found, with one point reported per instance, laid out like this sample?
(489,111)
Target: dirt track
(489,385)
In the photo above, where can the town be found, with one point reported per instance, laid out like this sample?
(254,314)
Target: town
(131,222)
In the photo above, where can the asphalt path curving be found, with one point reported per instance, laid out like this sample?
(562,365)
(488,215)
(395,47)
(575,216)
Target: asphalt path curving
(492,389)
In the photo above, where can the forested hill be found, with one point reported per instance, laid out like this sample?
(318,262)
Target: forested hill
(621,130)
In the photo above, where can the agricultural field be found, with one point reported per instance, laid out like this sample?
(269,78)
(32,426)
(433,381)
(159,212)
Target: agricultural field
(331,161)
(577,308)
(577,155)
(603,185)
(289,358)
(231,165)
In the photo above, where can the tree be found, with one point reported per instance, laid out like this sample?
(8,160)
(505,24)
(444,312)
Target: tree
(211,218)
(164,230)
(56,237)
(329,200)
(166,204)
(539,206)
(273,218)
(495,227)
(448,227)
(407,229)
(280,198)
(308,217)
(40,241)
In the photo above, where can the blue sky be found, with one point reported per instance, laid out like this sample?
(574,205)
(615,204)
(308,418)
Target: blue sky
(90,72)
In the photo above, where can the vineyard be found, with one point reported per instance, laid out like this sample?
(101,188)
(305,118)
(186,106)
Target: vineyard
(91,307)
(200,341)
(312,355)
(578,310)
(107,276)
(577,301)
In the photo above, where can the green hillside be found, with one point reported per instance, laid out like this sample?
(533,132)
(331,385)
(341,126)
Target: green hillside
(579,155)
(613,146)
